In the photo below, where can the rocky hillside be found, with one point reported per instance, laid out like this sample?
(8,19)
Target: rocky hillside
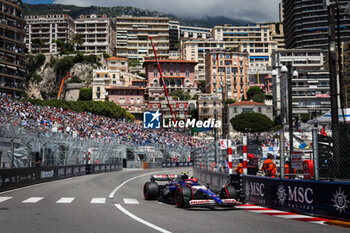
(43,82)
(76,11)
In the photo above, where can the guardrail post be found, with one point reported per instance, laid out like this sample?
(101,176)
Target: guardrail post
(315,151)
(245,155)
(230,160)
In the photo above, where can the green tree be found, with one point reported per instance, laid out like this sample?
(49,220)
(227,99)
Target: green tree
(106,108)
(195,97)
(77,40)
(85,94)
(134,63)
(253,91)
(106,55)
(251,122)
(181,94)
(230,101)
(259,98)
(201,85)
(305,117)
(38,43)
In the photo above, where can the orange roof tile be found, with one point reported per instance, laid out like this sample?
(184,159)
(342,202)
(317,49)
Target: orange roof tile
(246,103)
(117,58)
(171,61)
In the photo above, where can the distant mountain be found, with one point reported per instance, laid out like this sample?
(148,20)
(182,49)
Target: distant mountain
(76,11)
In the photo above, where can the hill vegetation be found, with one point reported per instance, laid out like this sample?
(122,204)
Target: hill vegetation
(105,108)
(76,11)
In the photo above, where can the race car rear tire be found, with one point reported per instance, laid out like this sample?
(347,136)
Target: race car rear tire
(228,192)
(150,191)
(183,196)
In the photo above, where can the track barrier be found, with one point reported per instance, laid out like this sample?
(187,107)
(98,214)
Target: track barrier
(320,198)
(20,177)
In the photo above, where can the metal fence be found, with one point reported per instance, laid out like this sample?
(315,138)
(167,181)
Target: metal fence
(334,153)
(25,147)
(319,153)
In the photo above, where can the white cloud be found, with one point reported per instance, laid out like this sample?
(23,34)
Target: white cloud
(252,10)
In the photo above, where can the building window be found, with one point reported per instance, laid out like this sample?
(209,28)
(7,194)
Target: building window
(235,110)
(98,89)
(247,110)
(113,76)
(155,73)
(187,74)
(259,109)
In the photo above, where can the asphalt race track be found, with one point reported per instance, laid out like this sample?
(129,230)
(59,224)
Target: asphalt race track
(113,202)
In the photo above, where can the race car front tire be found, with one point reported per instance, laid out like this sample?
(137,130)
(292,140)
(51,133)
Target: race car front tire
(183,196)
(150,191)
(228,192)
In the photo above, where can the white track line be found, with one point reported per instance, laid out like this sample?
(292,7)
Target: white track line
(267,211)
(140,219)
(131,201)
(111,196)
(65,200)
(33,200)
(2,199)
(250,207)
(293,216)
(98,200)
(317,222)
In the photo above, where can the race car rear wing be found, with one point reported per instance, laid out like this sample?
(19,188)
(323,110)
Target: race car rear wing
(165,177)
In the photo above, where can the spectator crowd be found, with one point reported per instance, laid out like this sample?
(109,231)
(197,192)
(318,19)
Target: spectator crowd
(86,125)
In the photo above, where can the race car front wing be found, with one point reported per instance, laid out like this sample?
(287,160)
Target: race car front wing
(210,202)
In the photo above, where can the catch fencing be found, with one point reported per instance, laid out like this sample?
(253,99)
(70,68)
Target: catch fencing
(23,147)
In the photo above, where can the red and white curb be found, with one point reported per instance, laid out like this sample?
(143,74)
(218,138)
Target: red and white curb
(282,214)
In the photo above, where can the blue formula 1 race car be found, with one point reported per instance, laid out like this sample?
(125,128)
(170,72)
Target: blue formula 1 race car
(185,192)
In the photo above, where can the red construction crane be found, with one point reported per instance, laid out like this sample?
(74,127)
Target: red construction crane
(161,76)
(64,79)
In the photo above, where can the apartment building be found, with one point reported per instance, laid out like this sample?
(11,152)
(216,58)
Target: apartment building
(177,74)
(208,105)
(132,37)
(195,50)
(48,29)
(179,107)
(306,24)
(255,39)
(227,69)
(179,32)
(98,32)
(131,98)
(115,73)
(277,34)
(12,34)
(310,89)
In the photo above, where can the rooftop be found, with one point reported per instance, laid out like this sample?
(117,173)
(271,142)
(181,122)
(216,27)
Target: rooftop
(117,58)
(247,103)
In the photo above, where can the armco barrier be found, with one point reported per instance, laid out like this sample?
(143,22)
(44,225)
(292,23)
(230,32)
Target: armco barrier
(329,199)
(177,164)
(216,180)
(19,177)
